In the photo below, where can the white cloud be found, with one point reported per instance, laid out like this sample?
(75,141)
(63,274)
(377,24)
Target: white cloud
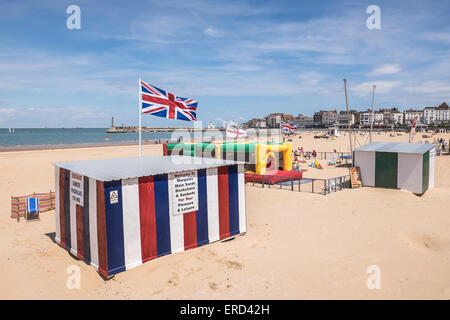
(385,69)
(7,111)
(430,87)
(384,87)
(212,32)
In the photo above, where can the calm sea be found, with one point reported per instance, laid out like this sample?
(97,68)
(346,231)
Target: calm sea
(31,137)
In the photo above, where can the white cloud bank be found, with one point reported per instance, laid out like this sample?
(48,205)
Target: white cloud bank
(385,69)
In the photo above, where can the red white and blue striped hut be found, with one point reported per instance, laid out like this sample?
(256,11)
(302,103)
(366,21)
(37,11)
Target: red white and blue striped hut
(116,214)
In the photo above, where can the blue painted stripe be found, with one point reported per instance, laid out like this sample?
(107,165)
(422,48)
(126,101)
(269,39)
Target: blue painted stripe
(86,234)
(233,199)
(114,228)
(162,214)
(202,213)
(67,207)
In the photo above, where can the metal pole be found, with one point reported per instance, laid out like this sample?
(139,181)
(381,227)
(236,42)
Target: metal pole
(348,122)
(373,114)
(140,118)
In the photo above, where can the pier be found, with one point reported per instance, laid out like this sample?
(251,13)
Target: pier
(124,129)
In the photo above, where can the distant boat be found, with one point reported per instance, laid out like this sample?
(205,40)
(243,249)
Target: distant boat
(9,130)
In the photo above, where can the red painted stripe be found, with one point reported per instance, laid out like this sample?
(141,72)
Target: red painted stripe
(190,230)
(165,149)
(149,88)
(79,216)
(62,222)
(148,218)
(166,102)
(101,230)
(224,214)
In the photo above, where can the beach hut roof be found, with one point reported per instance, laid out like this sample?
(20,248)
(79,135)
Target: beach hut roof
(127,168)
(399,147)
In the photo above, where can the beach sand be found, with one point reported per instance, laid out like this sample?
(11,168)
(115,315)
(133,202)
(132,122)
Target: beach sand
(297,245)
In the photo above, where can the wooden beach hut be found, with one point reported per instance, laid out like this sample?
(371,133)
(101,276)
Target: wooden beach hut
(116,214)
(408,166)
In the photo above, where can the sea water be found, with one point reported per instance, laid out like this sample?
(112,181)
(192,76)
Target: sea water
(52,136)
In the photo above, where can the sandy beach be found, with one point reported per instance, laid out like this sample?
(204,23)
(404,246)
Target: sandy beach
(297,245)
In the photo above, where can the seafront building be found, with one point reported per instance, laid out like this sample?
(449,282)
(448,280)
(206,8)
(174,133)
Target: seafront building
(437,115)
(385,117)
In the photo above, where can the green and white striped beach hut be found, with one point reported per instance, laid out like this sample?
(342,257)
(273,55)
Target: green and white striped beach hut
(408,166)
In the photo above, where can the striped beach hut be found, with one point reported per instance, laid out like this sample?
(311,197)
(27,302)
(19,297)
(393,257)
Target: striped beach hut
(116,214)
(408,166)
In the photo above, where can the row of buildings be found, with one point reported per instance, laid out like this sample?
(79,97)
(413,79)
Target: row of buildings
(381,118)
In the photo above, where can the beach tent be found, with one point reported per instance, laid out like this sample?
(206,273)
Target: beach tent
(116,214)
(408,166)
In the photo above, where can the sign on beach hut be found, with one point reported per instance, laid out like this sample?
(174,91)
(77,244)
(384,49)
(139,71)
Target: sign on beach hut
(408,166)
(116,214)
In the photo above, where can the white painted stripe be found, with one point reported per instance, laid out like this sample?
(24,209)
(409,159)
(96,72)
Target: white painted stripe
(213,204)
(131,223)
(242,213)
(176,222)
(93,233)
(57,212)
(365,160)
(73,226)
(409,172)
(432,164)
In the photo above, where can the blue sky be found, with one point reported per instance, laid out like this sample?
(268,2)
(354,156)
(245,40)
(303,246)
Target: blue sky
(238,59)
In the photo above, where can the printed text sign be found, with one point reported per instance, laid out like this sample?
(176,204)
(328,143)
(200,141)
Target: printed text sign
(76,188)
(184,192)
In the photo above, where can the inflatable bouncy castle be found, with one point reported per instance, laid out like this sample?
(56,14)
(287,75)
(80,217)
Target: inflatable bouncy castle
(260,158)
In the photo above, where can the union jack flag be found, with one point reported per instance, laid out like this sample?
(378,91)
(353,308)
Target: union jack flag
(287,128)
(160,103)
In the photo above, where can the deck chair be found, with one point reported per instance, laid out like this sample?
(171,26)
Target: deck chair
(32,210)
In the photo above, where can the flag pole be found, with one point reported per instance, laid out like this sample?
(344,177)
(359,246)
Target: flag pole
(373,114)
(140,118)
(346,104)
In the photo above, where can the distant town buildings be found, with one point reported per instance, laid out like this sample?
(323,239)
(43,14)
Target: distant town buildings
(273,120)
(302,121)
(411,114)
(385,117)
(345,119)
(437,115)
(211,125)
